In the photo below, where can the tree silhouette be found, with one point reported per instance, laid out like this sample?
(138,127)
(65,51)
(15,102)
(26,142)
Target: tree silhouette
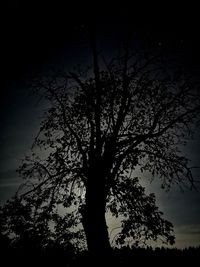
(101,127)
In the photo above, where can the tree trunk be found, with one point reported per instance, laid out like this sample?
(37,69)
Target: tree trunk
(94,221)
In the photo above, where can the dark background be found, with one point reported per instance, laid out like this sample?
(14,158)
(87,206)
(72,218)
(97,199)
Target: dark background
(35,32)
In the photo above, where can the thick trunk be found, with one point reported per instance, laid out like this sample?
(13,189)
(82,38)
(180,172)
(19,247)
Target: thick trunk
(94,221)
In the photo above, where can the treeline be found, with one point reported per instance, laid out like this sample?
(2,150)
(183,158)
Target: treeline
(125,256)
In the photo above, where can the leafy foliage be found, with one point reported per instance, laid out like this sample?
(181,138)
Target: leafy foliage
(29,228)
(141,219)
(131,115)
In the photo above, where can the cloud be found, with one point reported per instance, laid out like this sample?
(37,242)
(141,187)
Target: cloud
(8,188)
(187,235)
(10,184)
(189,229)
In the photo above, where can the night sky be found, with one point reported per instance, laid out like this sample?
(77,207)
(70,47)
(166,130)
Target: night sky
(36,37)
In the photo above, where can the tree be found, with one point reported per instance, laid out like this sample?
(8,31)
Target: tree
(99,130)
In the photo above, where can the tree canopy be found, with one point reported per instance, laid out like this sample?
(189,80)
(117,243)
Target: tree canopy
(102,126)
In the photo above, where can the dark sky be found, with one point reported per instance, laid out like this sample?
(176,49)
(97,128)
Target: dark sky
(35,36)
(35,32)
